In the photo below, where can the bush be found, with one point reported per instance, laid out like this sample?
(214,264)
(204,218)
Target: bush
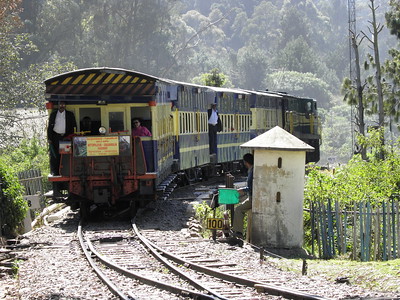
(365,184)
(30,154)
(13,208)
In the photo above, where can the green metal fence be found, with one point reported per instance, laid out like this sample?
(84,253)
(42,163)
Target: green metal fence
(364,231)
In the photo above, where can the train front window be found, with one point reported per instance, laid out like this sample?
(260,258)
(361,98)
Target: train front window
(309,107)
(89,120)
(116,121)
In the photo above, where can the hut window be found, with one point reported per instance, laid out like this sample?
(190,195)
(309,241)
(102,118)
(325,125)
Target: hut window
(278,197)
(280,162)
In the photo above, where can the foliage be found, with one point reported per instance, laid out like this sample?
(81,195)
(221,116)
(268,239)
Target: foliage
(337,140)
(203,211)
(30,154)
(373,180)
(128,34)
(253,62)
(214,78)
(379,88)
(393,18)
(22,97)
(12,206)
(300,84)
(181,39)
(392,72)
(19,87)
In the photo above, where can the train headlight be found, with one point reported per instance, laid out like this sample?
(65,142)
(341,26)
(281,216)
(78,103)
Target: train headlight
(102,130)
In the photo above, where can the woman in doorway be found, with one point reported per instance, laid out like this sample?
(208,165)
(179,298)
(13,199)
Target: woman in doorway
(138,129)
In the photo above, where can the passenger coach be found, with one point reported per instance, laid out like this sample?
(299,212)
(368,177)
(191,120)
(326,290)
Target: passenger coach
(107,166)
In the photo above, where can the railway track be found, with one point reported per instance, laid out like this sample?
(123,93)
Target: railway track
(121,258)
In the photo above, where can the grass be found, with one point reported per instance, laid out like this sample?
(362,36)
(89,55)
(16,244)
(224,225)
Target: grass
(381,276)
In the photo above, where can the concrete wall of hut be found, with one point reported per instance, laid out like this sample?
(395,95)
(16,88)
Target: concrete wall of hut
(278,193)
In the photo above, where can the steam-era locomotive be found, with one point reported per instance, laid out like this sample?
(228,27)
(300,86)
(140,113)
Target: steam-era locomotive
(113,168)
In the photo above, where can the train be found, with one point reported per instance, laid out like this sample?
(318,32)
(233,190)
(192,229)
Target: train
(108,167)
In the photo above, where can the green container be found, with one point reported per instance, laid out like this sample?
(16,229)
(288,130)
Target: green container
(228,196)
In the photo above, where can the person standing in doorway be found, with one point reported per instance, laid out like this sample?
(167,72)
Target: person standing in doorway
(138,129)
(242,208)
(214,126)
(61,125)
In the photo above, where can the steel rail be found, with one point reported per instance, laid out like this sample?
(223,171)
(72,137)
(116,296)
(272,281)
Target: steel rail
(270,289)
(173,268)
(161,285)
(99,273)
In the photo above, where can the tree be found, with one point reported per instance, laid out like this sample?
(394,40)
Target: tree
(353,93)
(300,84)
(261,30)
(252,67)
(297,56)
(129,34)
(392,66)
(12,46)
(376,29)
(368,96)
(336,135)
(19,87)
(393,18)
(214,78)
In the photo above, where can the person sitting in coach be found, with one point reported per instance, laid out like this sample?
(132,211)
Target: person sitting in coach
(138,129)
(88,127)
(61,125)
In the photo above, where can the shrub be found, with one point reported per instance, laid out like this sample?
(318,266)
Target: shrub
(12,205)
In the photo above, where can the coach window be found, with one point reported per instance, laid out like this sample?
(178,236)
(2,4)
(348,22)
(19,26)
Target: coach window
(90,119)
(116,121)
(144,115)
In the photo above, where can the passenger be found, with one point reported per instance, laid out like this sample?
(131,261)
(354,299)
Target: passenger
(214,126)
(87,126)
(61,125)
(242,208)
(139,130)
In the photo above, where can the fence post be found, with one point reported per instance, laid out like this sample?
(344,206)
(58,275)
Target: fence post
(384,256)
(312,227)
(398,228)
(368,232)
(394,229)
(362,237)
(331,237)
(377,233)
(345,232)
(1,200)
(339,227)
(389,230)
(355,231)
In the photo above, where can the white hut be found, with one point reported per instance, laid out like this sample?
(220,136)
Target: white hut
(278,188)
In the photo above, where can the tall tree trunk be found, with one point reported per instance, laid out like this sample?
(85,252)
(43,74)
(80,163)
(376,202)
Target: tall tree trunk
(376,29)
(360,121)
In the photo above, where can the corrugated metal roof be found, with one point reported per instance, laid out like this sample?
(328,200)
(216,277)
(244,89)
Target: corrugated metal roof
(227,90)
(277,139)
(95,82)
